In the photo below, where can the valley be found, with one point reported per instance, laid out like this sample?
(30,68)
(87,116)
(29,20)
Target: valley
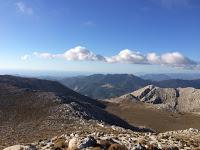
(140,114)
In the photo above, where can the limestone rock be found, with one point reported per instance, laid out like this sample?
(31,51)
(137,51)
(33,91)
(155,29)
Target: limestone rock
(73,143)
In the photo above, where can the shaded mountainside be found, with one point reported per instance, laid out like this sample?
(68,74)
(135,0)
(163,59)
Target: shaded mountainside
(34,84)
(29,111)
(101,86)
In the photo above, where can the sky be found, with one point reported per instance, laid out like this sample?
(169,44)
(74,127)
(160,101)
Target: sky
(108,36)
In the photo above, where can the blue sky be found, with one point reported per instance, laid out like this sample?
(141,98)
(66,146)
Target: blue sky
(123,36)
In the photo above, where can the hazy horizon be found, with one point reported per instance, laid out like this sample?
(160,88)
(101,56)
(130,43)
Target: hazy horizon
(63,74)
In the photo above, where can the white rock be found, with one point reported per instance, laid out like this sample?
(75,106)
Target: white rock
(16,147)
(73,143)
(100,124)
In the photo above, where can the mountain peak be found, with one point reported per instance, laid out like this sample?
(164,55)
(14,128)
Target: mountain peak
(171,99)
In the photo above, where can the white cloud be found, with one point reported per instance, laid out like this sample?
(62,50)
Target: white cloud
(25,57)
(175,58)
(24,8)
(153,58)
(44,55)
(127,56)
(79,53)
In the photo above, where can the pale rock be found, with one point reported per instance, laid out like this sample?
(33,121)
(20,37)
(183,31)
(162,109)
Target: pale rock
(17,147)
(73,143)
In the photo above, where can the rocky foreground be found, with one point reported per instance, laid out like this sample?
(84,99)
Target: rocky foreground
(120,139)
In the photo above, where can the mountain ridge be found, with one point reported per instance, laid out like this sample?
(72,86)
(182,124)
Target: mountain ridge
(172,99)
(100,86)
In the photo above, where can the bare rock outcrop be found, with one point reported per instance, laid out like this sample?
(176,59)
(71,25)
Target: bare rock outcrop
(126,140)
(173,99)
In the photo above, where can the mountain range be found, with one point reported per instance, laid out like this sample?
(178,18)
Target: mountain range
(167,76)
(102,86)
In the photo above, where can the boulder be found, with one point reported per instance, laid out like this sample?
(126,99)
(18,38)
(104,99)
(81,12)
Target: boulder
(73,143)
(17,147)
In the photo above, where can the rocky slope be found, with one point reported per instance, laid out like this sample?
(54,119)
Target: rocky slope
(118,139)
(29,111)
(173,99)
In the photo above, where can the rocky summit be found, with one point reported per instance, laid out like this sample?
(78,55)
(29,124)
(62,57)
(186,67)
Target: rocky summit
(172,99)
(119,139)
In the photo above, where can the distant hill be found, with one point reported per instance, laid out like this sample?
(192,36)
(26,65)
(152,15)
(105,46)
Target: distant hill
(176,83)
(102,86)
(184,76)
(155,77)
(168,76)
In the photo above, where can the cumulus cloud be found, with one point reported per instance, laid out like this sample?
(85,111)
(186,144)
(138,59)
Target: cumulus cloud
(22,7)
(175,58)
(127,56)
(79,53)
(153,58)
